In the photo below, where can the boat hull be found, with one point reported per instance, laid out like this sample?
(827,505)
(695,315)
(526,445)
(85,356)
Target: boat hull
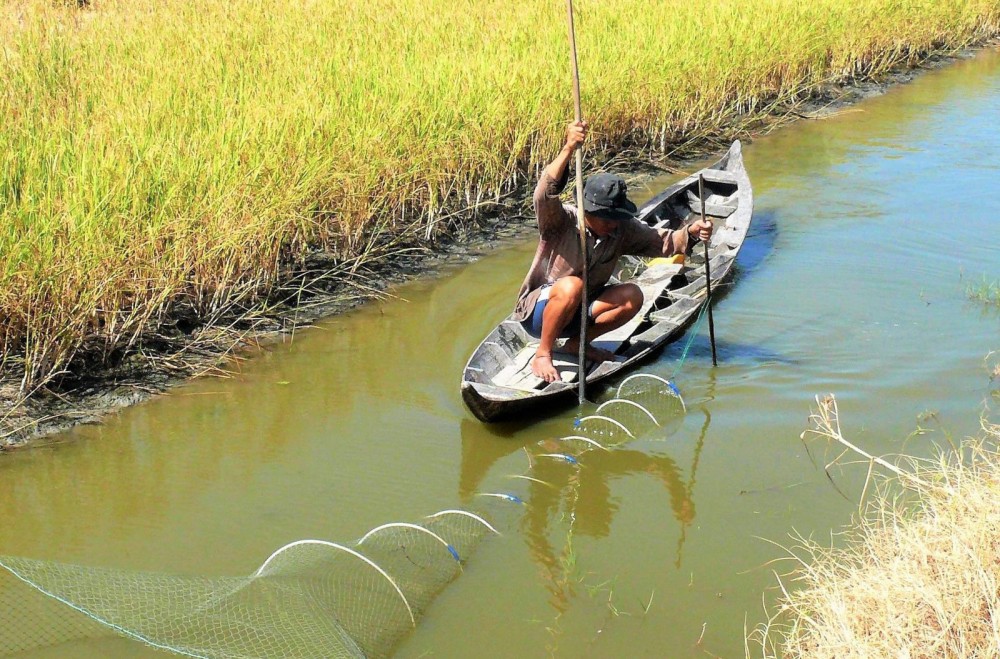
(497,383)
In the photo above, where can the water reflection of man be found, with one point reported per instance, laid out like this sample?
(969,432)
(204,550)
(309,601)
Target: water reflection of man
(548,304)
(583,493)
(594,504)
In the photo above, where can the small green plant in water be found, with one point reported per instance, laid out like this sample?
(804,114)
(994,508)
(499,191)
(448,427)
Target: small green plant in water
(986,291)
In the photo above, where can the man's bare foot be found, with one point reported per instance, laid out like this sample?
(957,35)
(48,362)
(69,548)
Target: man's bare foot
(541,365)
(593,354)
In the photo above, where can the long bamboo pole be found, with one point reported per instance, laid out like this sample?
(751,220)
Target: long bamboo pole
(708,273)
(579,209)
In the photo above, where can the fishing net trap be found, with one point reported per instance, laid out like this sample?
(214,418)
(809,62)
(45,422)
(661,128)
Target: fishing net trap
(310,598)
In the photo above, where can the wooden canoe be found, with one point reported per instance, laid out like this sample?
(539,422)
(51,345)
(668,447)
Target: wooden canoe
(498,383)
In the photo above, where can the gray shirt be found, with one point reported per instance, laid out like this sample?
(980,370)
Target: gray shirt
(559,254)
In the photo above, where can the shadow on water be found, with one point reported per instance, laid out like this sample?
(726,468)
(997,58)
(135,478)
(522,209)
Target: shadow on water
(580,502)
(483,445)
(759,243)
(729,352)
(758,246)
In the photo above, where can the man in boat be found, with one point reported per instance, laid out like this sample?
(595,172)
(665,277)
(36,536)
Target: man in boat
(548,304)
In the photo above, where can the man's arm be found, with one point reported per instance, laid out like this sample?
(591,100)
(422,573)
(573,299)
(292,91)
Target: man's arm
(684,240)
(548,207)
(648,241)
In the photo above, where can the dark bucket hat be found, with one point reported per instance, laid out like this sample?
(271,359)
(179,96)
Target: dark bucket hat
(605,195)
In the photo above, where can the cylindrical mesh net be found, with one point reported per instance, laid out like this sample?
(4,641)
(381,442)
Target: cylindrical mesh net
(311,598)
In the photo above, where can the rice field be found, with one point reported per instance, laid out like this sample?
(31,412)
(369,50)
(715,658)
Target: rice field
(176,161)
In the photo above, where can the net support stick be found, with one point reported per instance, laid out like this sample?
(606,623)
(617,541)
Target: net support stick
(708,273)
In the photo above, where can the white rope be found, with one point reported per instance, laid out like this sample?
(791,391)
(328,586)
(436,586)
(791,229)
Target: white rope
(96,618)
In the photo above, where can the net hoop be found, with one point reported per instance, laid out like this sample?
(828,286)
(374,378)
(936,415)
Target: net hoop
(636,376)
(333,545)
(586,440)
(562,457)
(670,386)
(500,495)
(405,525)
(609,420)
(632,403)
(533,480)
(466,513)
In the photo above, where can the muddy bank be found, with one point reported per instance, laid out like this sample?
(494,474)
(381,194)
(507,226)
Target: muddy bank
(187,350)
(170,358)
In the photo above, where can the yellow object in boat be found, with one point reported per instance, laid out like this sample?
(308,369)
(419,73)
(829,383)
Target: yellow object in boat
(668,260)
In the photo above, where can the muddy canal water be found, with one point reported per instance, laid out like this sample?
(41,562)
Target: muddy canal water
(869,227)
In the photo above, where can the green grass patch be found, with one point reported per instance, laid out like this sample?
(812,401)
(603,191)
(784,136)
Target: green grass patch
(985,291)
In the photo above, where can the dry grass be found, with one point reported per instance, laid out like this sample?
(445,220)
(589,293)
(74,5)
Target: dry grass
(919,575)
(167,159)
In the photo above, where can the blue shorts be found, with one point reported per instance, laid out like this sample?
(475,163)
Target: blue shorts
(533,323)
